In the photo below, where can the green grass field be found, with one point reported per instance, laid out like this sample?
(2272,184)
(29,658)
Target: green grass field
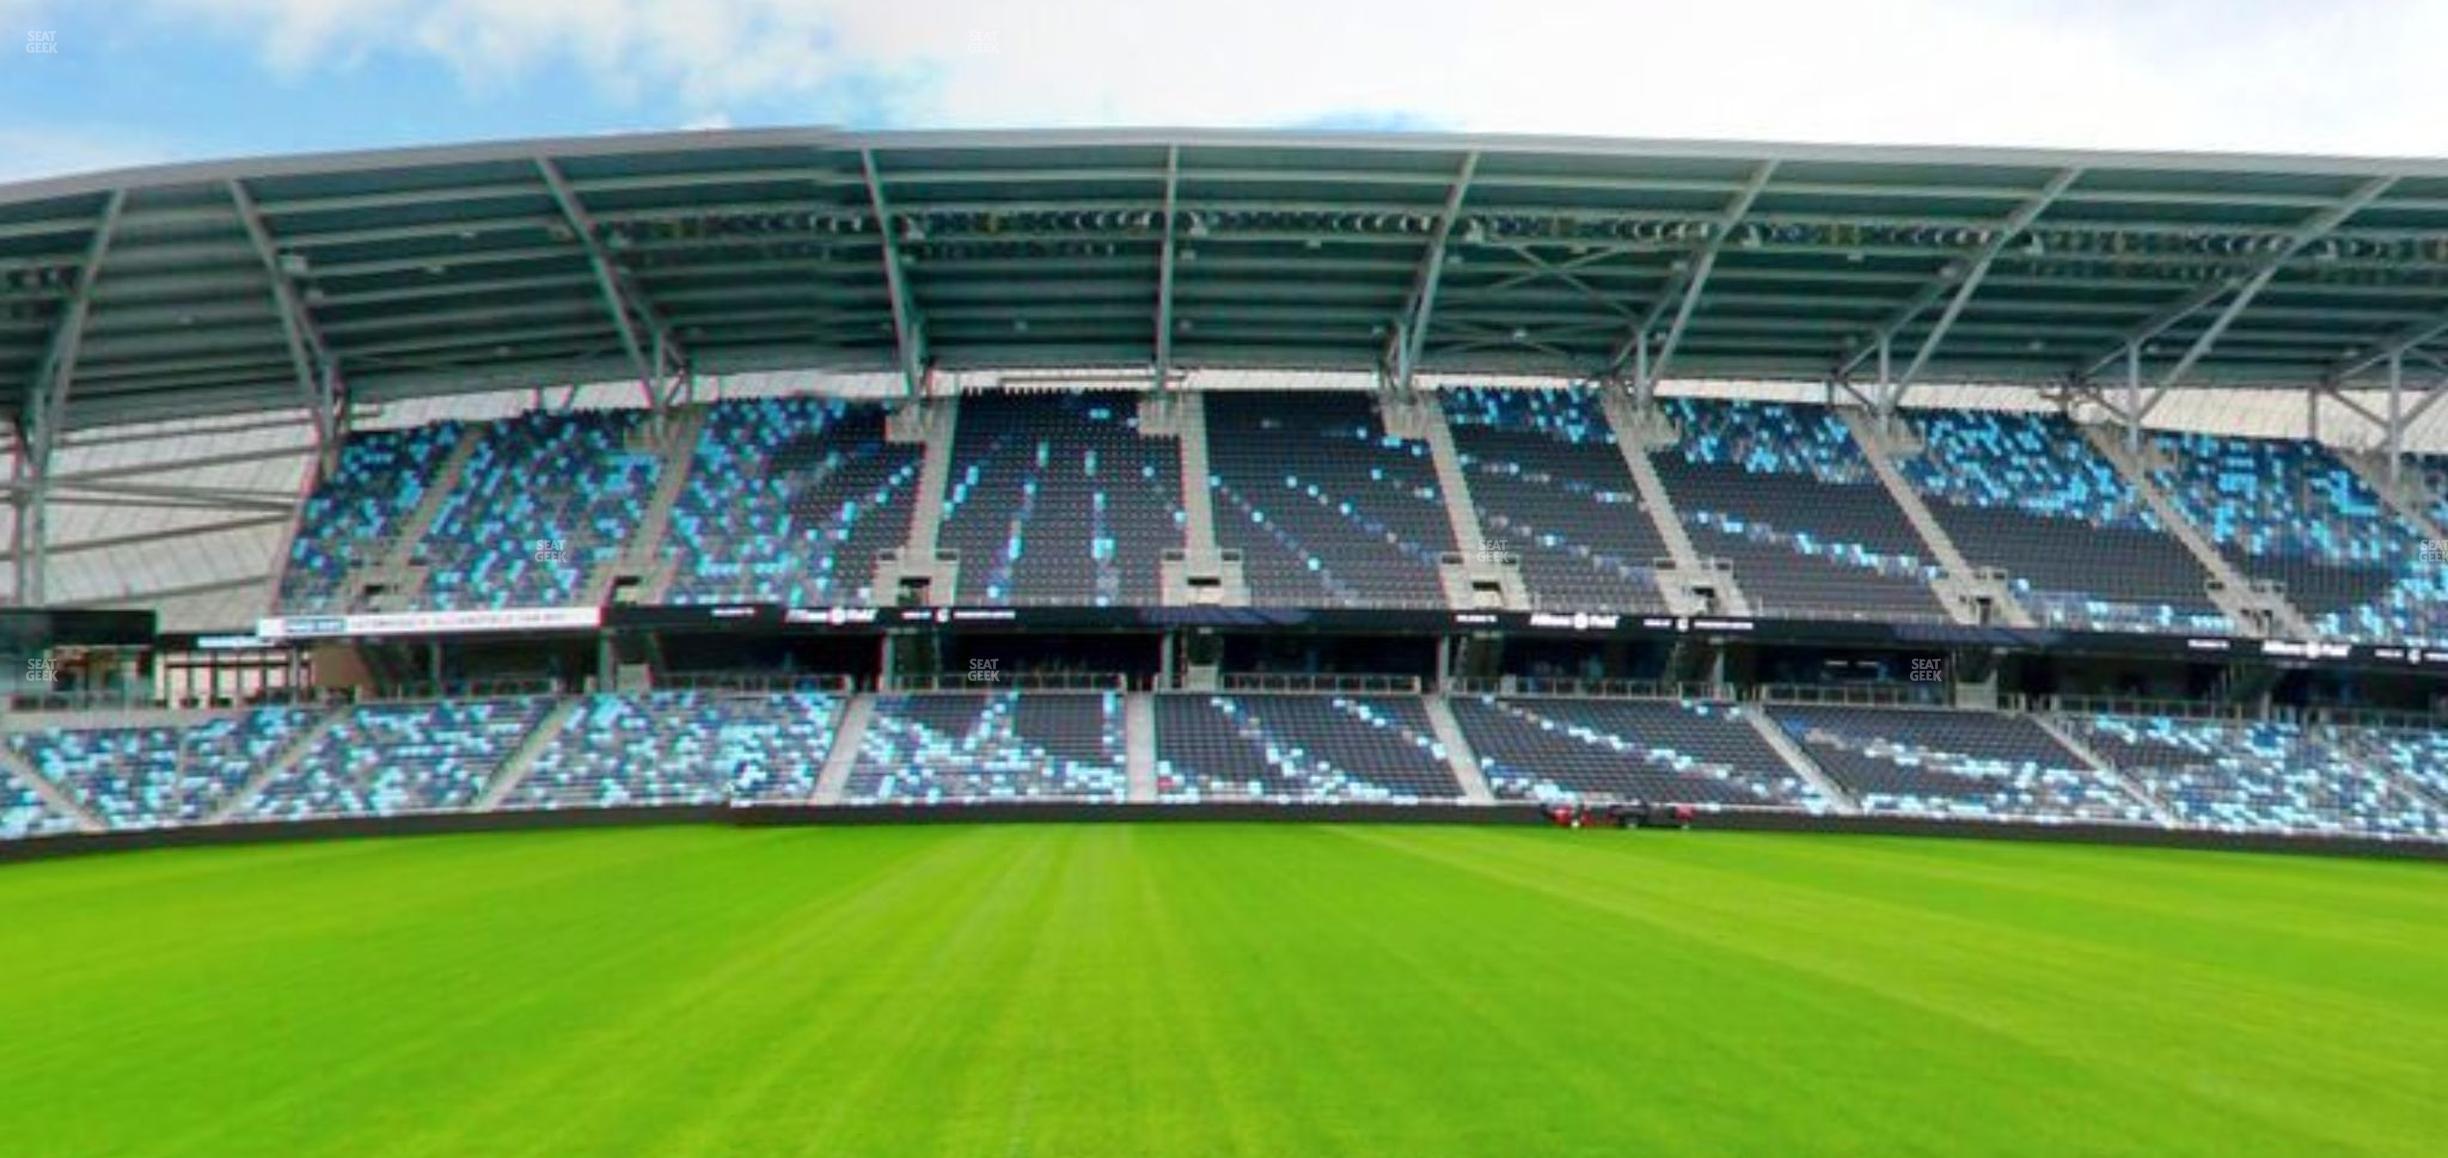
(1151,990)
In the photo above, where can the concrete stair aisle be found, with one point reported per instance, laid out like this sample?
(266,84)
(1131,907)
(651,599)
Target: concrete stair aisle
(1458,751)
(506,778)
(1420,417)
(641,557)
(1139,745)
(2111,773)
(1798,760)
(2409,497)
(2234,594)
(848,733)
(1634,435)
(286,759)
(933,423)
(1182,415)
(1963,584)
(53,796)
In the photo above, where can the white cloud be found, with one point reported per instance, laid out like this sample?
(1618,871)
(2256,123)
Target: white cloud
(2344,76)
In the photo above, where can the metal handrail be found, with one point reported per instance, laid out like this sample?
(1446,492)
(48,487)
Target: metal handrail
(1861,695)
(1331,683)
(2139,706)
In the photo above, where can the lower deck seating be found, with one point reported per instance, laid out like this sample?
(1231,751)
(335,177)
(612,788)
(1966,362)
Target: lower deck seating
(959,747)
(155,776)
(2226,774)
(23,812)
(683,748)
(1299,749)
(1688,752)
(387,759)
(1972,765)
(2417,759)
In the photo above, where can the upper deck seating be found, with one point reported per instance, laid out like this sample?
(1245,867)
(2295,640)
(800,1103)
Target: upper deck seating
(788,501)
(1327,509)
(353,515)
(2026,493)
(1055,498)
(1785,494)
(1551,487)
(546,498)
(2292,513)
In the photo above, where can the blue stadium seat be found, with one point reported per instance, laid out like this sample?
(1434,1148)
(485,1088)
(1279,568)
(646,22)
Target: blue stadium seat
(389,759)
(954,748)
(683,748)
(1327,509)
(788,501)
(1958,764)
(544,500)
(159,776)
(2026,493)
(2292,513)
(1055,498)
(354,513)
(2233,775)
(1556,750)
(1551,487)
(1298,749)
(1785,494)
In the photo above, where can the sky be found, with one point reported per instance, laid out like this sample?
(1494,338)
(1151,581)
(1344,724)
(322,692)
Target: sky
(89,84)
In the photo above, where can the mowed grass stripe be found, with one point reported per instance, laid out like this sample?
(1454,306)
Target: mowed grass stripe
(1110,989)
(2032,993)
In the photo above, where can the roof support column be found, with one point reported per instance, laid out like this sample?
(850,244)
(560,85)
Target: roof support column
(2312,229)
(2396,418)
(1683,290)
(909,326)
(1164,275)
(2133,397)
(1886,394)
(318,372)
(1644,384)
(619,298)
(20,565)
(47,409)
(1411,331)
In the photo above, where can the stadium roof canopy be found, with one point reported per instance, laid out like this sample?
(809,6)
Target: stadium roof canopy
(228,287)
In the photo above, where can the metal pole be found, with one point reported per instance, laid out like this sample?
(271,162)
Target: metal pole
(1644,388)
(1886,384)
(2396,417)
(2133,397)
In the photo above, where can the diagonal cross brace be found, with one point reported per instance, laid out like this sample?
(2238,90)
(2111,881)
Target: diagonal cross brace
(1411,334)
